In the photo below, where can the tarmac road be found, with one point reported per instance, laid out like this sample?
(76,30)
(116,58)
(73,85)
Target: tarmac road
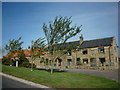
(110,74)
(10,83)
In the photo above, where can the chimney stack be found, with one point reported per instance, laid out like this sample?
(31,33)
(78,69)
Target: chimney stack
(81,39)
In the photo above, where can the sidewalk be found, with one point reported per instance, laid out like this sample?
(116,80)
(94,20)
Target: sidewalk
(24,81)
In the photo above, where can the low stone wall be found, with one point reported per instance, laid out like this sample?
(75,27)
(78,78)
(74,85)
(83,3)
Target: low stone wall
(80,67)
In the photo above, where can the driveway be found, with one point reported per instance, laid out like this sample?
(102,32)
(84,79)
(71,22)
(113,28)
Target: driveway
(110,74)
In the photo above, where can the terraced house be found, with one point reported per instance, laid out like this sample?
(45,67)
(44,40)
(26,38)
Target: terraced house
(86,54)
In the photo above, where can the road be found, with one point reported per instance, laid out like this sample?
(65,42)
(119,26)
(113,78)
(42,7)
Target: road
(110,74)
(10,83)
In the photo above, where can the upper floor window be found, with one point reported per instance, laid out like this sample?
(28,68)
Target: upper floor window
(101,50)
(69,53)
(84,51)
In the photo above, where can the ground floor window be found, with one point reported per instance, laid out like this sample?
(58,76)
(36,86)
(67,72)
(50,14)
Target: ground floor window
(50,62)
(78,61)
(102,61)
(59,61)
(42,60)
(85,61)
(46,62)
(69,61)
(92,62)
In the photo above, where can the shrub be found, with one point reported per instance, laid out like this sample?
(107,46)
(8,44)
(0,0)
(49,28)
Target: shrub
(34,66)
(7,61)
(24,62)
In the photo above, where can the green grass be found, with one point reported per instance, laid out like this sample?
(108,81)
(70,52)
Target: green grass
(60,79)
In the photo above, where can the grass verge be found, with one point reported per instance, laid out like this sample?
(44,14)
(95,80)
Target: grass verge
(60,79)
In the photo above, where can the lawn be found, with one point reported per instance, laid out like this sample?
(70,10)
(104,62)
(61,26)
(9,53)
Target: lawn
(60,79)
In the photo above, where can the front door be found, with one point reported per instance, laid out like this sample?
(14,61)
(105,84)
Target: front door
(92,62)
(102,61)
(69,61)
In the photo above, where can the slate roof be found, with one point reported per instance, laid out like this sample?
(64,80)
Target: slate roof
(89,43)
(97,43)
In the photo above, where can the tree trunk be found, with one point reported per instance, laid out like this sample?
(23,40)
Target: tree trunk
(32,66)
(52,67)
(52,64)
(51,70)
(10,62)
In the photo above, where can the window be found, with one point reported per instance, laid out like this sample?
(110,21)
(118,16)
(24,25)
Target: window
(69,61)
(78,61)
(102,60)
(85,61)
(84,51)
(101,50)
(50,62)
(42,60)
(69,53)
(46,62)
(92,62)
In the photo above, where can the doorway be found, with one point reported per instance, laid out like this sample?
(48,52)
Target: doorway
(69,61)
(102,61)
(92,62)
(59,61)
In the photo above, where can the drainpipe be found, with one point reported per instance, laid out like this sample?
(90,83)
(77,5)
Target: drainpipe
(109,54)
(76,59)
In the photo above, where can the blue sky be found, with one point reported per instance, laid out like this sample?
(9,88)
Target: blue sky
(25,19)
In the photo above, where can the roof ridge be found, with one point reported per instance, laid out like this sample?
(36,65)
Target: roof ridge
(92,39)
(99,39)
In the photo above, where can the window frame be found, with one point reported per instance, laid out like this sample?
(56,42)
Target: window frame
(101,50)
(85,51)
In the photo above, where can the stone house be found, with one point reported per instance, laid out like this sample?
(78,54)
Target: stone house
(85,54)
